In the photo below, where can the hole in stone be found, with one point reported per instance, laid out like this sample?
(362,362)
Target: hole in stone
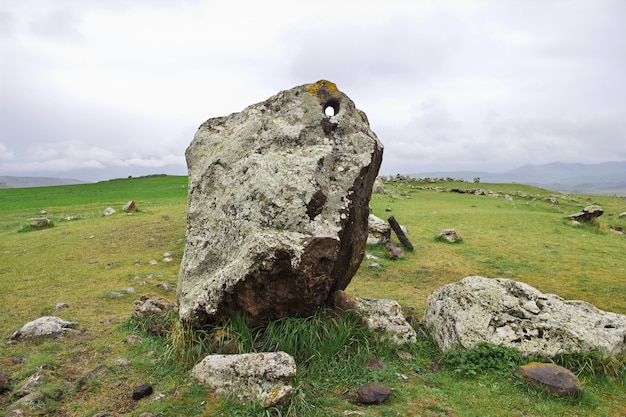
(331,108)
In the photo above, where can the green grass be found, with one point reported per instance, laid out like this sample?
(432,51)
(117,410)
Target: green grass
(89,262)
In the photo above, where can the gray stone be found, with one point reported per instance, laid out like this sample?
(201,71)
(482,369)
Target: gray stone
(561,381)
(152,305)
(509,313)
(379,230)
(379,314)
(29,400)
(109,211)
(47,326)
(278,206)
(262,377)
(130,207)
(61,306)
(588,214)
(449,235)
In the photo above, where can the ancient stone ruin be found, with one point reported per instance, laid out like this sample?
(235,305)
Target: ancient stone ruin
(278,206)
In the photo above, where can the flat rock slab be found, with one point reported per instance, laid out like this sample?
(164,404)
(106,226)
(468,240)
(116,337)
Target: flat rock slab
(46,326)
(277,215)
(514,314)
(262,377)
(556,379)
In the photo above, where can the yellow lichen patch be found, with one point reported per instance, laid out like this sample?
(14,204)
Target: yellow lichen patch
(323,90)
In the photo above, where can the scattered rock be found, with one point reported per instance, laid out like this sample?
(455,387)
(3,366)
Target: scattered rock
(372,393)
(379,230)
(449,235)
(393,252)
(40,223)
(588,214)
(142,391)
(70,218)
(262,377)
(47,326)
(130,207)
(61,306)
(165,286)
(152,304)
(509,313)
(109,211)
(278,206)
(556,379)
(379,314)
(622,215)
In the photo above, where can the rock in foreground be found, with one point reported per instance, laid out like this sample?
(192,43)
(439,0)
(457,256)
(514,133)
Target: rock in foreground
(278,206)
(509,313)
(262,377)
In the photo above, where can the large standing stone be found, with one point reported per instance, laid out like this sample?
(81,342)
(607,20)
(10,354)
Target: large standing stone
(509,313)
(278,206)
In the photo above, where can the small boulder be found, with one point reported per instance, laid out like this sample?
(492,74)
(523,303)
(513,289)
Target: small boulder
(379,314)
(449,235)
(47,326)
(372,393)
(152,304)
(379,230)
(130,207)
(142,391)
(40,377)
(556,379)
(109,211)
(262,377)
(588,214)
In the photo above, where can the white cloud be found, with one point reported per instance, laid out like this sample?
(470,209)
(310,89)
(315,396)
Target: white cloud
(445,84)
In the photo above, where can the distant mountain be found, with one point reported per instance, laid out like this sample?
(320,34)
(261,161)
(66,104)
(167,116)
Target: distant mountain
(27,182)
(604,178)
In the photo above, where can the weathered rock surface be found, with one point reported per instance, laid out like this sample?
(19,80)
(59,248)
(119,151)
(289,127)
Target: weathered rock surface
(47,326)
(379,314)
(278,206)
(379,230)
(152,304)
(449,235)
(555,378)
(262,377)
(514,314)
(587,214)
(130,207)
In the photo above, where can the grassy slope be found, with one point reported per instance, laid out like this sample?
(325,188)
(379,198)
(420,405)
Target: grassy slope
(81,261)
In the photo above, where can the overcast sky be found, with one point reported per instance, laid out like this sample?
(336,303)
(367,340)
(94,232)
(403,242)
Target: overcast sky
(94,89)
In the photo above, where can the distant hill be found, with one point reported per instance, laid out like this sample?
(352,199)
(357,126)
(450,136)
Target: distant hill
(27,182)
(604,178)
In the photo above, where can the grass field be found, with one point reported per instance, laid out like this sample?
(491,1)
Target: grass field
(94,262)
